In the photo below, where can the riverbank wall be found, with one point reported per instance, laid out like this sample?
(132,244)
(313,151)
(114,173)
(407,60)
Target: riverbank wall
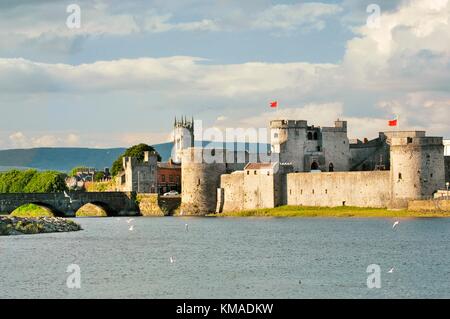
(156,205)
(432,205)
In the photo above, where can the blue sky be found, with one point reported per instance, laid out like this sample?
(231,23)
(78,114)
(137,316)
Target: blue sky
(131,67)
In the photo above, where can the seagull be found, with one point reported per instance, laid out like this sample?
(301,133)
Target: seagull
(67,196)
(186,227)
(129,220)
(391,270)
(395,224)
(131,228)
(172,259)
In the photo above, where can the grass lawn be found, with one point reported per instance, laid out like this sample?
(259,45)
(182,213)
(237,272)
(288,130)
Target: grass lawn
(341,211)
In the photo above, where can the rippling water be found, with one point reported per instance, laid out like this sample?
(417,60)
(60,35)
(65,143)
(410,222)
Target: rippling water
(231,258)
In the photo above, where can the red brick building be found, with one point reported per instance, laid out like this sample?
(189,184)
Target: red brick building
(169,177)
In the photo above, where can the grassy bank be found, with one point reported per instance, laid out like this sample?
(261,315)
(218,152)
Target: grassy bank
(342,211)
(90,210)
(32,210)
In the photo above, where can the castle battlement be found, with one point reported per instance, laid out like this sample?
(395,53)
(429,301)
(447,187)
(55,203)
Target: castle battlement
(150,158)
(417,141)
(288,124)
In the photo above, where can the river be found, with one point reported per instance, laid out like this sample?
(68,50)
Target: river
(231,258)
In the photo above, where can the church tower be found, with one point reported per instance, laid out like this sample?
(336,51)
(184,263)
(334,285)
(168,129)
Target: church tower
(183,137)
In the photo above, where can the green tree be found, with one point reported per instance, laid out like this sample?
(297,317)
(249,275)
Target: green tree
(98,176)
(32,181)
(134,151)
(77,169)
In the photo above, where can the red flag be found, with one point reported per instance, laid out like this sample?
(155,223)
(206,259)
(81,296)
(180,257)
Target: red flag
(392,123)
(274,104)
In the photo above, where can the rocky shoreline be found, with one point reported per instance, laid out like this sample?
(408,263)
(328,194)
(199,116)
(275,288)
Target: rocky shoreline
(35,225)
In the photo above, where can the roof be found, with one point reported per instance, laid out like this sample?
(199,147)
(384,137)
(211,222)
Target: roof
(259,166)
(169,164)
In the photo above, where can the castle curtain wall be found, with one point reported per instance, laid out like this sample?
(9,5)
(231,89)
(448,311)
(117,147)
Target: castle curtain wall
(362,189)
(233,190)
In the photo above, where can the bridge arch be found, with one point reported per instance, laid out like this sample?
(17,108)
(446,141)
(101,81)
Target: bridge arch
(46,206)
(95,209)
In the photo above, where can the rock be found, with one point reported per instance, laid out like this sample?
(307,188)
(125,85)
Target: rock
(19,226)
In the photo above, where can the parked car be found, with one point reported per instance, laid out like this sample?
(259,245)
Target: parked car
(171,193)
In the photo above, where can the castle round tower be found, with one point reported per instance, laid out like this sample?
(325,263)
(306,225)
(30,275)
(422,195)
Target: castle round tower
(201,170)
(417,168)
(183,137)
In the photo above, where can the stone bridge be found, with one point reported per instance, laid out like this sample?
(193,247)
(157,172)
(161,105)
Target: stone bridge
(114,203)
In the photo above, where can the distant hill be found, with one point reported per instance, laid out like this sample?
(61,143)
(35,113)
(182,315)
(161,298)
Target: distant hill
(64,159)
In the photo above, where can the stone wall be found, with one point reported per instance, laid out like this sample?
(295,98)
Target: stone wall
(367,156)
(336,148)
(251,188)
(155,205)
(429,205)
(140,177)
(233,191)
(260,190)
(363,189)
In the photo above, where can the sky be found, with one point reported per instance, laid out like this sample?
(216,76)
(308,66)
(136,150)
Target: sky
(132,66)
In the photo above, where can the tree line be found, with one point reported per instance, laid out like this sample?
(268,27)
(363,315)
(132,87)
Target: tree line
(32,181)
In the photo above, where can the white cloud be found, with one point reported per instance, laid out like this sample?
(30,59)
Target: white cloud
(421,111)
(290,17)
(409,51)
(34,139)
(18,139)
(403,68)
(174,75)
(45,23)
(21,140)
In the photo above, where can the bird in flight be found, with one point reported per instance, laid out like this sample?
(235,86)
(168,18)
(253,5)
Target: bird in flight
(68,196)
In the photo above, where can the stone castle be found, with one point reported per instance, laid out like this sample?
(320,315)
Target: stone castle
(315,166)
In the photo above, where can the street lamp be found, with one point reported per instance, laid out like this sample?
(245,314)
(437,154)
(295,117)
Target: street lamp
(447,184)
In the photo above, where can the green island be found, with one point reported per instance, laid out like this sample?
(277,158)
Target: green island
(11,225)
(341,211)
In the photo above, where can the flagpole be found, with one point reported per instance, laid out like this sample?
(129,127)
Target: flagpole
(398,125)
(278,112)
